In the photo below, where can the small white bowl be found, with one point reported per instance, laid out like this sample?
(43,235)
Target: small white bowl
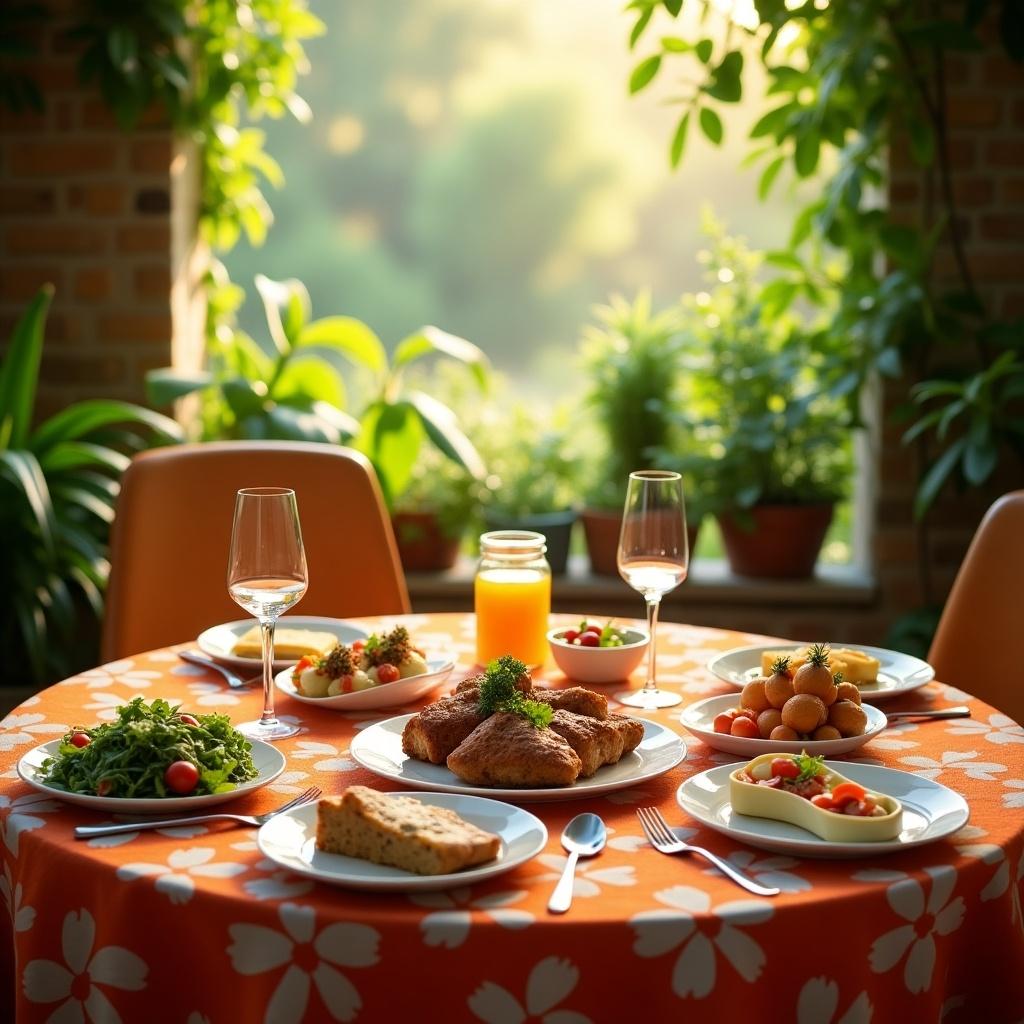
(599,664)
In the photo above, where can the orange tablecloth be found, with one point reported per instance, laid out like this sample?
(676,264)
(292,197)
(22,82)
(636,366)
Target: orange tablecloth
(192,925)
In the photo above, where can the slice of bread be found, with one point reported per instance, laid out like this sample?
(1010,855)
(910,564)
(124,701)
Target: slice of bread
(288,644)
(400,831)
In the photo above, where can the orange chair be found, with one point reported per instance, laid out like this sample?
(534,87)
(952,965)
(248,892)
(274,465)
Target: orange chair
(172,529)
(975,647)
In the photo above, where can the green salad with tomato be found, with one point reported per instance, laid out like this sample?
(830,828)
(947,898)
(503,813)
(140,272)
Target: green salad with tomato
(152,750)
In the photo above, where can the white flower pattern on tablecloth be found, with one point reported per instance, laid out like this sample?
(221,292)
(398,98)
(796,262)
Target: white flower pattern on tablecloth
(278,884)
(331,757)
(452,917)
(937,914)
(550,982)
(997,728)
(955,760)
(770,871)
(113,967)
(176,878)
(123,838)
(589,876)
(22,917)
(893,737)
(1015,798)
(289,782)
(17,729)
(695,971)
(211,695)
(121,673)
(310,957)
(19,815)
(819,1000)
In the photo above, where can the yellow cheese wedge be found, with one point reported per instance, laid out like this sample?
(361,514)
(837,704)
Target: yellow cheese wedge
(856,666)
(767,802)
(288,644)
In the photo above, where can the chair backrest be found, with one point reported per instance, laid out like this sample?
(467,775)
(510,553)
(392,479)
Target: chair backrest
(975,646)
(172,529)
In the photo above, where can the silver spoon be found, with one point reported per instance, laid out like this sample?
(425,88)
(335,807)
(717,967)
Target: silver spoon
(583,837)
(195,658)
(963,711)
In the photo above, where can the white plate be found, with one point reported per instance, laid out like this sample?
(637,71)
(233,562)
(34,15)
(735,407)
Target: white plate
(387,695)
(930,812)
(379,749)
(268,759)
(699,719)
(899,673)
(219,641)
(289,840)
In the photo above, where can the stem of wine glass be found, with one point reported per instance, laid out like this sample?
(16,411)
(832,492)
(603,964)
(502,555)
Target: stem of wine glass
(652,625)
(267,639)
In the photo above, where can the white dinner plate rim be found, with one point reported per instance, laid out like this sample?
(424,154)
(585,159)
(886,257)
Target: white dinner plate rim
(345,629)
(402,691)
(366,876)
(744,747)
(805,844)
(263,754)
(917,674)
(361,750)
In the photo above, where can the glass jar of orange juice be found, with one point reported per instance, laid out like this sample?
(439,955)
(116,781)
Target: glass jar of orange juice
(512,597)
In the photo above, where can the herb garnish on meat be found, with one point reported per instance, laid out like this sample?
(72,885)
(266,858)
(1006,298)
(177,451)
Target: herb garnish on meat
(498,692)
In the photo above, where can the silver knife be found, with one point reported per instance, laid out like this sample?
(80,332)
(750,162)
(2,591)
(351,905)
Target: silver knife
(234,681)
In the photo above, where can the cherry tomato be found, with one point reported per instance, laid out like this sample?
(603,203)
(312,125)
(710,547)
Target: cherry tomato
(306,661)
(346,684)
(824,801)
(592,627)
(723,722)
(785,768)
(181,777)
(570,635)
(746,713)
(588,639)
(848,791)
(188,720)
(387,673)
(358,645)
(80,739)
(745,727)
(103,787)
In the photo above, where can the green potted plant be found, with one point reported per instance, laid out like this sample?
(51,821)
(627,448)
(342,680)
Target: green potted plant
(431,515)
(770,406)
(530,481)
(632,361)
(59,482)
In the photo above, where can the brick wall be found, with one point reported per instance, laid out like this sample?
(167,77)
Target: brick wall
(88,208)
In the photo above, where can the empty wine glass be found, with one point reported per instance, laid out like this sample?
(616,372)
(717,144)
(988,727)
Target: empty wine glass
(653,558)
(266,576)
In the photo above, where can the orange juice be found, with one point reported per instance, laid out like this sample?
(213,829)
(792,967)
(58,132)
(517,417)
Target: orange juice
(512,608)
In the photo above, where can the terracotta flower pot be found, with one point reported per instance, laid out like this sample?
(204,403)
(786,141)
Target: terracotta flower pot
(422,545)
(602,527)
(784,542)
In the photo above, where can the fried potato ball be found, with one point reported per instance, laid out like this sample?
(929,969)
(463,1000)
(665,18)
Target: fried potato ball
(825,732)
(820,684)
(849,691)
(769,719)
(778,689)
(804,712)
(753,695)
(783,732)
(847,717)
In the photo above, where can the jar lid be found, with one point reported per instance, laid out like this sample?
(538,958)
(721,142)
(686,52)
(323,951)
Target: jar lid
(522,543)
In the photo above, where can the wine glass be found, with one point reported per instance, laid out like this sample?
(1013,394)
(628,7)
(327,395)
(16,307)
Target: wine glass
(266,576)
(653,558)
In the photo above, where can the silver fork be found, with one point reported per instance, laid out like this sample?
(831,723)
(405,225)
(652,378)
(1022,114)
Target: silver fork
(92,831)
(663,839)
(233,680)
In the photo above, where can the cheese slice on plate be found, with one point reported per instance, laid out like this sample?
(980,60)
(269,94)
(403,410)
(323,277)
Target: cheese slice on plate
(289,644)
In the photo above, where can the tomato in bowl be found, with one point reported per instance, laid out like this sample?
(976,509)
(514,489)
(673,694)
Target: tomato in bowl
(592,652)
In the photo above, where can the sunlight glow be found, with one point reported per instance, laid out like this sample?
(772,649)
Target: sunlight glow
(346,134)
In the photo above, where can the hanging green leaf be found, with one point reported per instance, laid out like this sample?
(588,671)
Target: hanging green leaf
(644,73)
(711,125)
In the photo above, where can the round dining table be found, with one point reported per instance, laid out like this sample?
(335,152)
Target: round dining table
(193,925)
